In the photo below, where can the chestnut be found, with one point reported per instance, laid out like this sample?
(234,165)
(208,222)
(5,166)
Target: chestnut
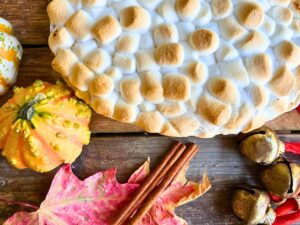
(261,146)
(252,206)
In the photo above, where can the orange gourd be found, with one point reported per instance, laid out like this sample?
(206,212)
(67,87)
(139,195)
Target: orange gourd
(43,126)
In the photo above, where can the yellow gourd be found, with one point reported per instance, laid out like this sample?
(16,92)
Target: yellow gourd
(10,56)
(43,126)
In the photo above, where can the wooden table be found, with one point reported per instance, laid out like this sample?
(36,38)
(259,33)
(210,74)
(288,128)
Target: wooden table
(120,144)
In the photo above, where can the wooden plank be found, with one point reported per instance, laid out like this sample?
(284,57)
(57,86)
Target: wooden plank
(219,157)
(29,18)
(36,64)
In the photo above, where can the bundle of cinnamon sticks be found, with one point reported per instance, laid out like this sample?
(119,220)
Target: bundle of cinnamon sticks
(144,198)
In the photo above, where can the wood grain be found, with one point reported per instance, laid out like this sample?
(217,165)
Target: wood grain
(29,18)
(219,157)
(36,64)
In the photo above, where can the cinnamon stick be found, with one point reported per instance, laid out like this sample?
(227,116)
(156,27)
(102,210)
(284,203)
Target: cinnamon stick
(176,168)
(149,184)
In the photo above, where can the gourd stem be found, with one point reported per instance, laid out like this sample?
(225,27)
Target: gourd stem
(27,111)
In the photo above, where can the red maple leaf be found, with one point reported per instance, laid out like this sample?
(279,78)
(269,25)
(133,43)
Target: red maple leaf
(98,198)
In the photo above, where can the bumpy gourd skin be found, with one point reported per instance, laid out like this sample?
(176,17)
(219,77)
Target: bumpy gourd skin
(43,126)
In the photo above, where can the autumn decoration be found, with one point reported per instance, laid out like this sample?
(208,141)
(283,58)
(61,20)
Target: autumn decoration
(10,56)
(100,199)
(263,146)
(43,126)
(280,178)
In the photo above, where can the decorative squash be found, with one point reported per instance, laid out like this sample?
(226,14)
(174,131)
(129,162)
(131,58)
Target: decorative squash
(10,56)
(43,126)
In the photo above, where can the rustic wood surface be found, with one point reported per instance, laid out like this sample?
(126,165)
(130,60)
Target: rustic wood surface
(114,143)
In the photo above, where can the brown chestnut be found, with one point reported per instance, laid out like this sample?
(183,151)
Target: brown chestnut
(261,146)
(252,206)
(282,178)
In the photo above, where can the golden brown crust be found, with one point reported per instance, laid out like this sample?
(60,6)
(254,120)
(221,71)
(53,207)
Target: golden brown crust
(204,41)
(135,18)
(106,29)
(101,85)
(259,68)
(169,55)
(130,90)
(176,87)
(152,88)
(224,90)
(250,14)
(145,61)
(213,111)
(283,82)
(150,121)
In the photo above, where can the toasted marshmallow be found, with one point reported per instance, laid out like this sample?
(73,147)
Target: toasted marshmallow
(152,87)
(283,82)
(145,61)
(165,33)
(135,18)
(169,55)
(98,61)
(106,30)
(60,38)
(172,109)
(259,67)
(224,90)
(268,27)
(221,8)
(204,16)
(168,12)
(288,52)
(226,52)
(213,111)
(176,87)
(81,76)
(231,30)
(82,49)
(187,9)
(260,96)
(255,42)
(101,85)
(59,11)
(80,24)
(64,61)
(125,62)
(93,3)
(204,41)
(130,88)
(281,15)
(197,72)
(250,14)
(128,43)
